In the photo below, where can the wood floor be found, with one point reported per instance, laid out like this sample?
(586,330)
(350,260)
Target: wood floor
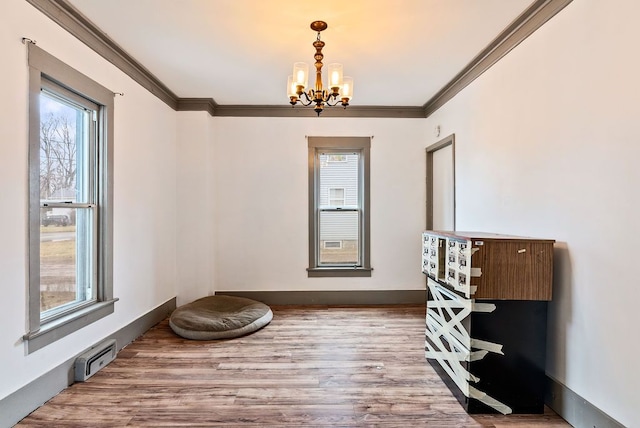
(311,367)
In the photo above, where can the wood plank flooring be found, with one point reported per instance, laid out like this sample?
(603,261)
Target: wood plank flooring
(311,367)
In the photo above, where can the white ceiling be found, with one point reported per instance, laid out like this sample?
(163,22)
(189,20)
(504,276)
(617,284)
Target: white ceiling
(399,52)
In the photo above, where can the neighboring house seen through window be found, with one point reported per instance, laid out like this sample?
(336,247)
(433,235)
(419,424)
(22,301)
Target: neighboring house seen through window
(70,233)
(339,206)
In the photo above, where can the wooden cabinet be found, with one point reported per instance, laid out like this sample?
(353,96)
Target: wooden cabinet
(486,317)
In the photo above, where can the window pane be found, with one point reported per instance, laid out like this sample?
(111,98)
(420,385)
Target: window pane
(339,176)
(64,150)
(66,252)
(343,227)
(66,234)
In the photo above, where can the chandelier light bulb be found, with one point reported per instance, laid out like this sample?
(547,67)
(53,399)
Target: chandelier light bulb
(301,74)
(291,88)
(347,88)
(335,75)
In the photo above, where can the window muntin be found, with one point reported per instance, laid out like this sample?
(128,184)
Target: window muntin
(338,206)
(70,200)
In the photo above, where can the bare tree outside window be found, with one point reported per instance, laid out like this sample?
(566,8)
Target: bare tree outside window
(57,155)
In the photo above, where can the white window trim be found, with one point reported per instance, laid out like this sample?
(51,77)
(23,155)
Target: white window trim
(43,66)
(347,144)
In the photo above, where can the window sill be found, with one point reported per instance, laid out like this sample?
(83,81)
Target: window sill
(61,327)
(338,272)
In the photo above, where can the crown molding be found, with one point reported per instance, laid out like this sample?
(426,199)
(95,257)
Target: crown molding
(300,111)
(70,19)
(197,104)
(539,12)
(214,109)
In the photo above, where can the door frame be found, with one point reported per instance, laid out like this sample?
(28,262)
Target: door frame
(445,142)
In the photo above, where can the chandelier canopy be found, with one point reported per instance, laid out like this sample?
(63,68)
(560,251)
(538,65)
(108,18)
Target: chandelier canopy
(341,87)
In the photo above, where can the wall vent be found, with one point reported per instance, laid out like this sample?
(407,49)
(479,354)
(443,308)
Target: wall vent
(88,363)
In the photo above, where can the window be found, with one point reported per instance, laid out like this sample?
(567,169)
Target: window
(327,245)
(339,206)
(337,158)
(70,220)
(336,196)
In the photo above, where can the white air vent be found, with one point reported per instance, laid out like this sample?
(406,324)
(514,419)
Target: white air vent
(88,363)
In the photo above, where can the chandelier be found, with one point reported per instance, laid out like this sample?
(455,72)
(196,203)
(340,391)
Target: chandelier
(341,87)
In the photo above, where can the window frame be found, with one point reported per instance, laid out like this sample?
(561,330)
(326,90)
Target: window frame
(45,69)
(316,145)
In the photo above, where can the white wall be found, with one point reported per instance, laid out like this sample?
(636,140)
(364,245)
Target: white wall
(547,146)
(260,167)
(194,204)
(144,196)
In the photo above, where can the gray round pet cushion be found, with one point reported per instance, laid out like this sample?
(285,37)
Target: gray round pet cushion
(219,317)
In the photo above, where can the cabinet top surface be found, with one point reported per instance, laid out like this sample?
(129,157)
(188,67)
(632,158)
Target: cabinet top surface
(485,235)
